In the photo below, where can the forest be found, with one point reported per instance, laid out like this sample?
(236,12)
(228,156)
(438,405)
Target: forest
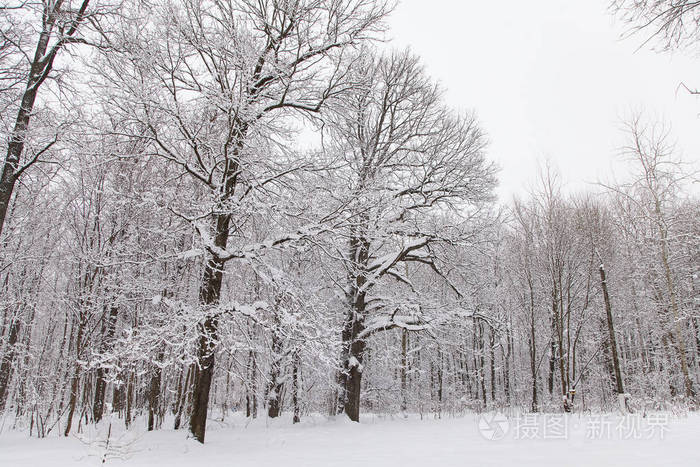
(262,207)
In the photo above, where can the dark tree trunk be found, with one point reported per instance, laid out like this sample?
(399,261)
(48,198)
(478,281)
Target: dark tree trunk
(154,395)
(475,363)
(506,366)
(274,404)
(76,377)
(532,342)
(492,364)
(482,372)
(274,387)
(7,361)
(108,330)
(73,399)
(354,344)
(209,295)
(353,372)
(611,332)
(350,377)
(183,396)
(552,366)
(556,306)
(129,398)
(17,140)
(41,66)
(203,374)
(534,404)
(607,355)
(251,397)
(466,376)
(295,388)
(439,384)
(404,370)
(118,399)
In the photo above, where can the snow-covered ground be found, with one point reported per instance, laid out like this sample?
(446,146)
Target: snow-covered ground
(579,440)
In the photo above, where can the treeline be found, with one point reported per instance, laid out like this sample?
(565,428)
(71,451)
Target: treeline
(170,249)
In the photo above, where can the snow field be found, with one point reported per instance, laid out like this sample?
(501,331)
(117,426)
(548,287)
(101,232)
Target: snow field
(378,441)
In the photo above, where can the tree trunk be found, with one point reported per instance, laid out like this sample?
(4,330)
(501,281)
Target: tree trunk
(678,330)
(108,330)
(506,365)
(492,364)
(6,366)
(154,395)
(17,140)
(353,368)
(203,374)
(182,396)
(129,398)
(295,388)
(403,371)
(209,295)
(40,67)
(482,372)
(532,342)
(76,377)
(354,344)
(552,363)
(118,399)
(251,391)
(611,332)
(439,384)
(274,387)
(556,309)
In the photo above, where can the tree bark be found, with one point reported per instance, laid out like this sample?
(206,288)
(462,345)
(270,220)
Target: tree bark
(7,361)
(41,66)
(611,332)
(492,364)
(154,395)
(274,387)
(209,295)
(680,341)
(352,370)
(251,390)
(129,398)
(295,388)
(403,371)
(532,342)
(182,396)
(203,374)
(354,345)
(76,377)
(108,330)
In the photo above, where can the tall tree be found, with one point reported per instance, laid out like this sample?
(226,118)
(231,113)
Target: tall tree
(213,94)
(404,158)
(58,23)
(654,192)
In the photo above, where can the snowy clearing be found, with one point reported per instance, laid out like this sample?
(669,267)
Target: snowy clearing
(379,441)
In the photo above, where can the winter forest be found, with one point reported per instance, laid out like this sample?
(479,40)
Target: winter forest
(225,211)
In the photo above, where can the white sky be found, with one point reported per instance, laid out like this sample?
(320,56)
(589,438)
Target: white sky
(549,79)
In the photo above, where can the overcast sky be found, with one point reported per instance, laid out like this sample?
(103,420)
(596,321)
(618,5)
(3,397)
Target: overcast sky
(549,79)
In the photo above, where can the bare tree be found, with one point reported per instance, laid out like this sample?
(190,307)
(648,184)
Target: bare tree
(212,96)
(405,158)
(653,194)
(29,57)
(673,23)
